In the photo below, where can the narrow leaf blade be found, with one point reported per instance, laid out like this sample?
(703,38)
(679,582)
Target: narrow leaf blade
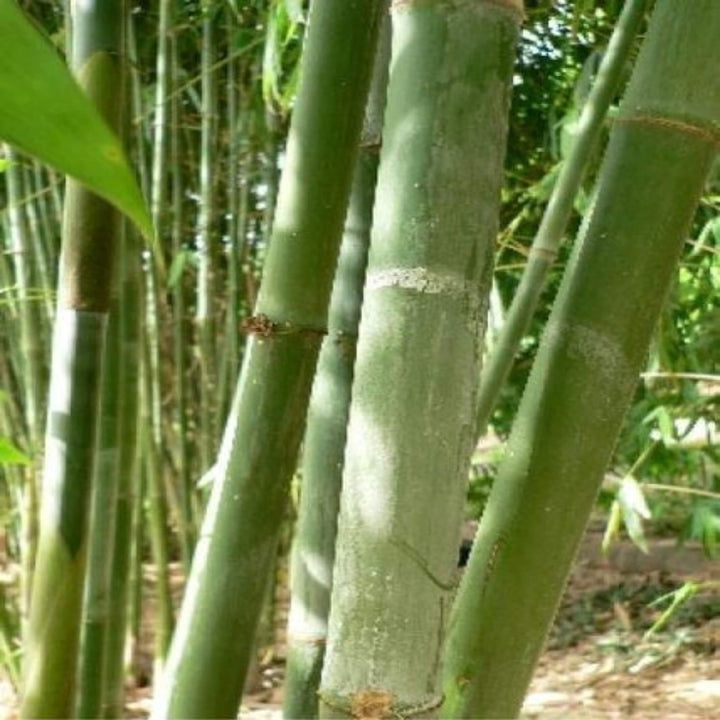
(45,113)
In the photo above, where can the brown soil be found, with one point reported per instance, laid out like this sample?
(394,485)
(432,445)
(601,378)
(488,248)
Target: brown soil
(597,663)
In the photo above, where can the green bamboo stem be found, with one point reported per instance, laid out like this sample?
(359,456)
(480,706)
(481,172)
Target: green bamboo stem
(231,347)
(73,410)
(127,413)
(40,258)
(187,520)
(158,190)
(661,149)
(410,433)
(214,638)
(206,267)
(558,211)
(22,251)
(157,512)
(33,378)
(97,597)
(313,550)
(42,190)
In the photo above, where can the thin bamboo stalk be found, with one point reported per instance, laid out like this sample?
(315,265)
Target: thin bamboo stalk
(128,386)
(661,149)
(557,214)
(313,552)
(206,267)
(258,454)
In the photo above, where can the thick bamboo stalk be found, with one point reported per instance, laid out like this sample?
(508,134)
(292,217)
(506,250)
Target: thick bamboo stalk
(661,149)
(187,520)
(89,231)
(234,184)
(214,638)
(33,378)
(410,434)
(313,552)
(558,211)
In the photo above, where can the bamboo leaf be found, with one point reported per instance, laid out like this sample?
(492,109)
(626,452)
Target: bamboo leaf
(10,455)
(294,9)
(45,113)
(634,509)
(177,268)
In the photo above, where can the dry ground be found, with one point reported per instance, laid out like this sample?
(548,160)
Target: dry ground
(597,664)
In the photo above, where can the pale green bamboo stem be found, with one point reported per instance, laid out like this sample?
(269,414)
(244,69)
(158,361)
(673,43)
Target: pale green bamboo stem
(661,149)
(159,163)
(40,259)
(410,433)
(42,189)
(157,512)
(558,211)
(313,550)
(214,638)
(236,227)
(73,410)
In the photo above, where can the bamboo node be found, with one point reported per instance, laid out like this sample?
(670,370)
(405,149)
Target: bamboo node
(263,326)
(516,8)
(686,128)
(542,252)
(378,705)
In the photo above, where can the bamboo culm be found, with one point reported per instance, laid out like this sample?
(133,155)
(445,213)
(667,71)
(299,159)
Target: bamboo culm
(258,453)
(661,149)
(89,240)
(410,433)
(313,551)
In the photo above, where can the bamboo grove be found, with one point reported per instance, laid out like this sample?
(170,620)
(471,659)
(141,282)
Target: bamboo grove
(286,354)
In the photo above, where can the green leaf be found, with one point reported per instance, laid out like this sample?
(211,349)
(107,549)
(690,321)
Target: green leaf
(678,598)
(634,510)
(10,455)
(177,268)
(45,113)
(294,9)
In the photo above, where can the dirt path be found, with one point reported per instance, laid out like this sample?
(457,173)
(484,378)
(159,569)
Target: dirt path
(597,663)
